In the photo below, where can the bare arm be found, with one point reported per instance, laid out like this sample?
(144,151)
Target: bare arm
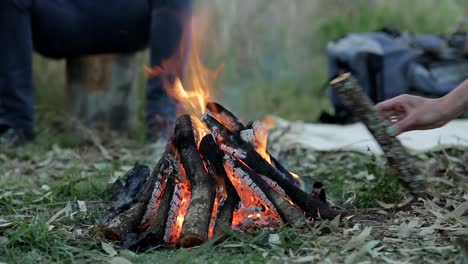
(456,102)
(418,113)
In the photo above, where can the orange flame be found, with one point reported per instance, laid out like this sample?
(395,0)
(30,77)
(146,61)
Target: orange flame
(192,91)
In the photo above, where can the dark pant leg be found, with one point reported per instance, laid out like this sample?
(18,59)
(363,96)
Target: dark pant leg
(17,97)
(170,19)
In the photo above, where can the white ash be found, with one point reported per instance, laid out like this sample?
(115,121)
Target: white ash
(273,185)
(247,135)
(156,197)
(235,152)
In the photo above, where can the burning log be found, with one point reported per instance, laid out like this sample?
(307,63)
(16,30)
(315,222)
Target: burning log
(197,218)
(178,207)
(398,158)
(194,192)
(154,221)
(120,223)
(234,146)
(213,158)
(261,137)
(289,213)
(249,133)
(226,117)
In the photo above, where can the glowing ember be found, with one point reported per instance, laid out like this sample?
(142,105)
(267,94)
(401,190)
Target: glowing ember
(217,202)
(254,211)
(156,197)
(179,206)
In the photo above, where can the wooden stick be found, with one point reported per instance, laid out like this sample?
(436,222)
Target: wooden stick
(398,158)
(197,218)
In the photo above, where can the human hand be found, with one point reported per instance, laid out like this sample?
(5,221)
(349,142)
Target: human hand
(409,112)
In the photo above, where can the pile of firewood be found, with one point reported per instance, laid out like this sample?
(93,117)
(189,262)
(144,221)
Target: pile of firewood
(205,184)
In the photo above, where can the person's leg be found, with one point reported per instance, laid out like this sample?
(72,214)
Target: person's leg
(17,97)
(169,35)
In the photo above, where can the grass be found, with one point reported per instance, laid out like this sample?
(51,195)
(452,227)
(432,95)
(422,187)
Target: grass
(42,219)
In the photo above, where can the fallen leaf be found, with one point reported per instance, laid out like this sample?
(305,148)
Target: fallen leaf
(425,231)
(82,206)
(405,229)
(335,222)
(358,240)
(305,259)
(119,260)
(109,249)
(6,224)
(274,239)
(65,211)
(460,210)
(365,249)
(385,205)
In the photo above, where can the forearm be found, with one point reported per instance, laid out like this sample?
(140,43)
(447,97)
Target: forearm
(456,102)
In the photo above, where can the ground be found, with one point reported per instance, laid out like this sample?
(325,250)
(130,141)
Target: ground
(51,194)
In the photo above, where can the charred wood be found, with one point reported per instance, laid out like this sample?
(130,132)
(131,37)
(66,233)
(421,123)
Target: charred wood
(197,218)
(213,158)
(125,193)
(225,117)
(398,158)
(154,234)
(118,224)
(261,138)
(289,213)
(233,145)
(318,191)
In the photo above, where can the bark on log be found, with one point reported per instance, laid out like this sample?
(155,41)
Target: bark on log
(197,218)
(102,90)
(233,145)
(289,213)
(398,158)
(213,158)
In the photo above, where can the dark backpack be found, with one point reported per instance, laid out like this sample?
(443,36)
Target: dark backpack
(388,64)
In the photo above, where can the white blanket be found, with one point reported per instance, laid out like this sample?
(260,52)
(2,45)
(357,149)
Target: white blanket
(356,137)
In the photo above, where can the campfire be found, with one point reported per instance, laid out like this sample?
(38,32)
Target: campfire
(215,174)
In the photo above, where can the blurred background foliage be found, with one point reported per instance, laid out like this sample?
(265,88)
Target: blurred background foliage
(273,51)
